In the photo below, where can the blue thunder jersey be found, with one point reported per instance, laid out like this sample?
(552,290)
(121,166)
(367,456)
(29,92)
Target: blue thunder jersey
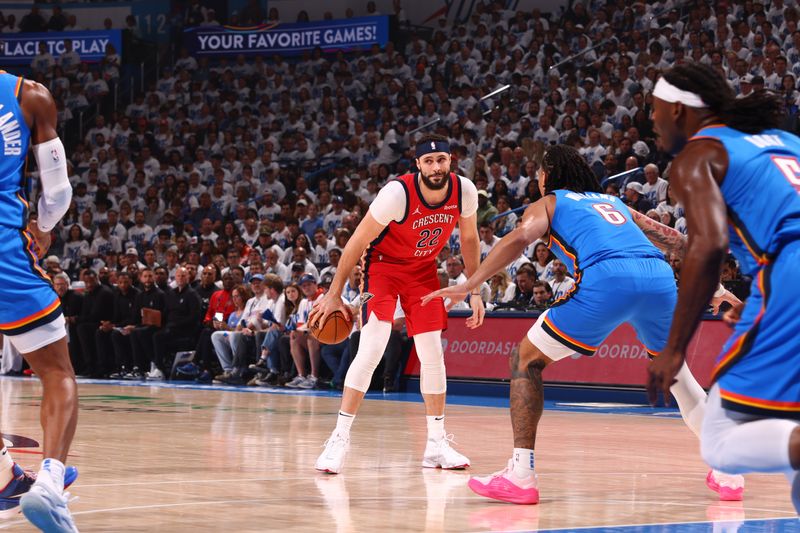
(14,141)
(27,299)
(761,192)
(619,275)
(758,371)
(590,227)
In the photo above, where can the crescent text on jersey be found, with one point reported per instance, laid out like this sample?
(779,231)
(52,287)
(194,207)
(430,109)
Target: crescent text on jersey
(436,218)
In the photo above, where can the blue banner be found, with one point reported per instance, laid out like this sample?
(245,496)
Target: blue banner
(286,39)
(21,48)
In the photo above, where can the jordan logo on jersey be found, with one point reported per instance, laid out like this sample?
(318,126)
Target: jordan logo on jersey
(417,211)
(10,132)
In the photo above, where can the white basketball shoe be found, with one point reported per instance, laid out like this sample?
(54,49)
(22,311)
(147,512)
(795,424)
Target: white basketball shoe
(46,509)
(440,454)
(332,458)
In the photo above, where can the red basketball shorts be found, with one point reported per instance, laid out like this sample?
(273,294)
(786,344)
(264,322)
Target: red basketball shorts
(385,282)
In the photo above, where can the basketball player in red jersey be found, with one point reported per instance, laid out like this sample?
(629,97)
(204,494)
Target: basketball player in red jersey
(406,227)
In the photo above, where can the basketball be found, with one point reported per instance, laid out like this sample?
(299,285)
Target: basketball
(336,328)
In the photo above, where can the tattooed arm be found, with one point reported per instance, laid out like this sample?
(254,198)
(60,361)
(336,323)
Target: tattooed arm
(667,239)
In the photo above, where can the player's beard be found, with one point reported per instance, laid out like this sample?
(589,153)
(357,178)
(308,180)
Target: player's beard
(436,186)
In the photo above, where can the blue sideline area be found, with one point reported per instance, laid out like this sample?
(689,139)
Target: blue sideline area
(774,525)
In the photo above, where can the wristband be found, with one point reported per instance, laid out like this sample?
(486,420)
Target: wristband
(720,292)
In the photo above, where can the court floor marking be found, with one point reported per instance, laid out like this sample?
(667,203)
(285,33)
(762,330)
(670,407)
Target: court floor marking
(635,410)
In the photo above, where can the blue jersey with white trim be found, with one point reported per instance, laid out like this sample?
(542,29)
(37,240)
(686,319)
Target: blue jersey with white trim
(590,227)
(14,142)
(761,192)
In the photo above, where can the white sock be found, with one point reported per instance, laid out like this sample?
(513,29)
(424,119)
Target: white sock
(344,421)
(435,427)
(691,399)
(523,462)
(52,471)
(6,467)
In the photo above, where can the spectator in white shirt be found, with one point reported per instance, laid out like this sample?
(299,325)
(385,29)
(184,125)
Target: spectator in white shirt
(488,238)
(69,60)
(333,220)
(334,254)
(269,364)
(322,247)
(251,231)
(455,276)
(546,133)
(43,61)
(140,234)
(543,261)
(561,283)
(655,189)
(595,151)
(503,289)
(275,266)
(243,340)
(300,257)
(302,342)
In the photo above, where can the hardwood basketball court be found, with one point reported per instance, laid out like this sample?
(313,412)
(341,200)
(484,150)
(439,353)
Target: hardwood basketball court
(167,458)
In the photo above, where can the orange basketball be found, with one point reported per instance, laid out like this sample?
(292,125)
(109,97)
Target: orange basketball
(336,328)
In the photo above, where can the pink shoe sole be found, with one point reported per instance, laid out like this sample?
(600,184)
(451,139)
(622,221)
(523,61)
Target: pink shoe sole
(504,491)
(726,494)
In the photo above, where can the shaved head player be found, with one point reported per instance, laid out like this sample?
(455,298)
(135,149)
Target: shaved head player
(406,227)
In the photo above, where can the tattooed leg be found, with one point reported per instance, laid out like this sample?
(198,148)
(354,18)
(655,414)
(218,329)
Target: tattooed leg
(527,393)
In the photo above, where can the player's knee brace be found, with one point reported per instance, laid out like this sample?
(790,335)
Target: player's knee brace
(372,344)
(433,379)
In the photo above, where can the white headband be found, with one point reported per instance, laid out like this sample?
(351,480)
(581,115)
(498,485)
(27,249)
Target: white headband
(669,93)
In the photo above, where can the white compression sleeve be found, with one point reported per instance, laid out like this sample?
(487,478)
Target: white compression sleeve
(432,376)
(738,444)
(56,191)
(691,399)
(371,345)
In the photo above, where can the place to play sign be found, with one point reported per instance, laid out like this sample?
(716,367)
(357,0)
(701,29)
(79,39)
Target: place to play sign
(21,48)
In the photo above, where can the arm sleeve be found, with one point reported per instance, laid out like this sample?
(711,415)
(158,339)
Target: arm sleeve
(56,189)
(469,197)
(390,204)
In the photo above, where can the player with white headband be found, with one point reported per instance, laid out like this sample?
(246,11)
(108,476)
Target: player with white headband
(738,177)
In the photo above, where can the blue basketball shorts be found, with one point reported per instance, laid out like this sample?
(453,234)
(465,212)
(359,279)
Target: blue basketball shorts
(641,292)
(27,297)
(758,371)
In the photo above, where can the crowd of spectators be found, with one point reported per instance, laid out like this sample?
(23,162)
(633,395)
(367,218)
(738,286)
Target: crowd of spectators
(221,197)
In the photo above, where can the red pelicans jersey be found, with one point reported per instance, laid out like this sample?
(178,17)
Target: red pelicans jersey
(401,262)
(425,228)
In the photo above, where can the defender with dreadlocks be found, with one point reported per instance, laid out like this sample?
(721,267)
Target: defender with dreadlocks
(738,178)
(620,276)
